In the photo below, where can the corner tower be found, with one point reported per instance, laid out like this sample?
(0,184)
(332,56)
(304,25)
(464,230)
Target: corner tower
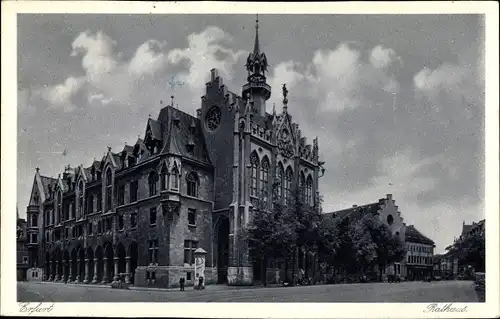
(256,89)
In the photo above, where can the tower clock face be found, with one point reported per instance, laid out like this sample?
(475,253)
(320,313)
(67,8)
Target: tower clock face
(213,118)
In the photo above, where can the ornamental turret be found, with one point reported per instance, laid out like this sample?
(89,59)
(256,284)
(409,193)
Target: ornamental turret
(256,86)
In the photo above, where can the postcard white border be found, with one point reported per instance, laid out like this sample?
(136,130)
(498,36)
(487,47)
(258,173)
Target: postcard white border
(9,306)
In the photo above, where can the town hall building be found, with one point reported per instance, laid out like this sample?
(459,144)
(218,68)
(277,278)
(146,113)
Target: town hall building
(191,182)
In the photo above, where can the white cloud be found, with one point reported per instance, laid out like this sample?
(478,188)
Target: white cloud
(98,54)
(338,78)
(202,55)
(446,78)
(148,59)
(381,57)
(60,96)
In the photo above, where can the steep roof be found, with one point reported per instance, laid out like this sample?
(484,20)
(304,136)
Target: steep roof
(415,236)
(46,181)
(155,129)
(183,129)
(128,149)
(356,213)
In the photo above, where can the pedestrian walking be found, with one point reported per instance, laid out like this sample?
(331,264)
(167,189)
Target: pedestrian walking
(181,283)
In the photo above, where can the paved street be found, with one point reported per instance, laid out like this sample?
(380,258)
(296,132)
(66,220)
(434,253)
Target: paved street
(444,291)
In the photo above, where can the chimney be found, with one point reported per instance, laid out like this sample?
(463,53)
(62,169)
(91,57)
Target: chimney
(389,196)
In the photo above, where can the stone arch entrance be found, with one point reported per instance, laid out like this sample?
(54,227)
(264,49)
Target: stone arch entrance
(47,266)
(222,244)
(133,255)
(98,275)
(109,269)
(120,254)
(90,265)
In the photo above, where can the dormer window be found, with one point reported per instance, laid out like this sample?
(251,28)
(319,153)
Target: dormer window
(59,207)
(80,200)
(109,190)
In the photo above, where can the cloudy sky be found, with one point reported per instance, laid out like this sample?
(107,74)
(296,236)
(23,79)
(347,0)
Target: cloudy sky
(396,101)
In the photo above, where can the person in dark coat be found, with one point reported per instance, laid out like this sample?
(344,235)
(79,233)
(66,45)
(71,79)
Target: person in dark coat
(181,283)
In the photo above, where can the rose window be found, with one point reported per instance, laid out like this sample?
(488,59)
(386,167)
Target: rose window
(213,118)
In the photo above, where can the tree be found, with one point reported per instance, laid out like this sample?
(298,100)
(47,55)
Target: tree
(470,251)
(269,234)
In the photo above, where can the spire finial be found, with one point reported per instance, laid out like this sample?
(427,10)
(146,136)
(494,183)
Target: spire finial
(256,47)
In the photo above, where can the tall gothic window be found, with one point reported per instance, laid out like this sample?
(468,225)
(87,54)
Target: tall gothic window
(109,191)
(309,188)
(288,186)
(59,207)
(303,187)
(152,181)
(175,178)
(80,200)
(254,161)
(192,184)
(163,178)
(264,178)
(279,181)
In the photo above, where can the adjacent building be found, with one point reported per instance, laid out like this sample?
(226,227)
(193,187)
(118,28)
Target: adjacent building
(139,213)
(389,214)
(419,254)
(22,256)
(447,265)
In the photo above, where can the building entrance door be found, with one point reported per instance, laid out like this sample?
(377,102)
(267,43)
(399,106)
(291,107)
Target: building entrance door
(222,250)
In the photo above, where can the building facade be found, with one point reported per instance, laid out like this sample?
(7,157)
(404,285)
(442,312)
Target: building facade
(191,182)
(419,255)
(22,255)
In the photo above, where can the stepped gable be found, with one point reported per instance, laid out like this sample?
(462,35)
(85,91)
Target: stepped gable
(415,236)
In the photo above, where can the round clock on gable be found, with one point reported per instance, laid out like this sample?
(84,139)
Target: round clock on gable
(213,118)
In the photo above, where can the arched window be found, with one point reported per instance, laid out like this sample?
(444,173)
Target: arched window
(34,220)
(309,190)
(254,161)
(80,200)
(192,184)
(264,178)
(163,178)
(152,181)
(175,177)
(279,182)
(302,188)
(59,207)
(288,186)
(109,190)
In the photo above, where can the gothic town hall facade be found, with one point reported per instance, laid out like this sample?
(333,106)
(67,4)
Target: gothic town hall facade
(191,182)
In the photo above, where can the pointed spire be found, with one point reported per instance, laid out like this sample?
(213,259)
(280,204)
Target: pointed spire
(256,47)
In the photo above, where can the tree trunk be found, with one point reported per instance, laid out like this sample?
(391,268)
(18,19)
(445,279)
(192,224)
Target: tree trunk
(293,266)
(286,270)
(264,270)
